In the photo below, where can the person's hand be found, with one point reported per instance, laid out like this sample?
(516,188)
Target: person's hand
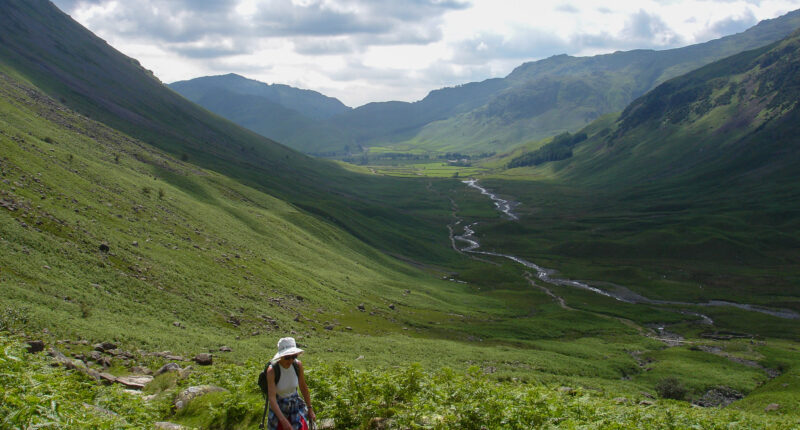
(286,425)
(312,415)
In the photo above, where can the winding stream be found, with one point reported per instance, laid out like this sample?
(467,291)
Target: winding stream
(619,292)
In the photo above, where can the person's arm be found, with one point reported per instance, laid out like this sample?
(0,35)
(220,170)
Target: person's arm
(301,380)
(273,400)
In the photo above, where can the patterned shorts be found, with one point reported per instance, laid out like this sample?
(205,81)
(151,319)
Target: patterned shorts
(294,409)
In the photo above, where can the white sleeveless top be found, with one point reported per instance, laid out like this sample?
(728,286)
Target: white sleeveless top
(287,385)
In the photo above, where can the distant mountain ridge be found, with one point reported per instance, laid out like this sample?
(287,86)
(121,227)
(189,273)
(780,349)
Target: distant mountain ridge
(310,103)
(536,100)
(280,112)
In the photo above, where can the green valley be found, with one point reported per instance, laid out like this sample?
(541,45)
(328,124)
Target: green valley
(150,248)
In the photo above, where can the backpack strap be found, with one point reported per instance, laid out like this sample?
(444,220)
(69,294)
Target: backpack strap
(276,370)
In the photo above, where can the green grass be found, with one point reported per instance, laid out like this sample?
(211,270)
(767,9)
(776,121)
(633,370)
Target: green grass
(203,254)
(36,394)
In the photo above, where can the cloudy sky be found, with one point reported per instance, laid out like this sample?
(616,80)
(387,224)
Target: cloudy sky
(376,50)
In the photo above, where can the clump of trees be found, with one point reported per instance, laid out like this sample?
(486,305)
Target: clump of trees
(560,148)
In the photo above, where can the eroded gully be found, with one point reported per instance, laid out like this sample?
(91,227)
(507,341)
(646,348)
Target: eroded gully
(616,292)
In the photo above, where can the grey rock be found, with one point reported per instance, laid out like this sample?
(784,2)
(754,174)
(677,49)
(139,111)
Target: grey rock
(164,425)
(719,397)
(105,346)
(225,349)
(141,370)
(772,407)
(191,393)
(104,247)
(135,381)
(169,367)
(204,359)
(107,378)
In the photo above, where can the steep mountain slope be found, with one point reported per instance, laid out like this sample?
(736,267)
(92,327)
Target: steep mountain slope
(80,70)
(279,112)
(733,122)
(271,119)
(691,191)
(105,237)
(564,93)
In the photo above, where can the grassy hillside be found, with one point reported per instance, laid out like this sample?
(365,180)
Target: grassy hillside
(196,260)
(564,93)
(81,71)
(289,115)
(690,193)
(110,233)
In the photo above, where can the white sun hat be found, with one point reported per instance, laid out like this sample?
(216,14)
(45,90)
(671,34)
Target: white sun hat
(287,346)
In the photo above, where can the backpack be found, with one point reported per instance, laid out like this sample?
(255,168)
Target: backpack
(262,377)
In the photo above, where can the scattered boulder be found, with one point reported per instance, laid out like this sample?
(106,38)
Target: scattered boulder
(185,372)
(104,346)
(169,367)
(107,378)
(135,381)
(187,395)
(141,370)
(391,306)
(646,403)
(568,390)
(164,425)
(104,247)
(329,327)
(95,356)
(772,407)
(620,400)
(362,307)
(225,349)
(104,361)
(203,359)
(35,346)
(719,397)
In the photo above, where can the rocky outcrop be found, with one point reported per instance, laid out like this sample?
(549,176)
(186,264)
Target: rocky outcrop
(169,367)
(137,382)
(191,393)
(719,397)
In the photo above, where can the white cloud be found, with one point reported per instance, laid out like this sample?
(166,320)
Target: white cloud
(373,50)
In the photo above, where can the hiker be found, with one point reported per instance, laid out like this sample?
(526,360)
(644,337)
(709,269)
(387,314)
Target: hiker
(287,411)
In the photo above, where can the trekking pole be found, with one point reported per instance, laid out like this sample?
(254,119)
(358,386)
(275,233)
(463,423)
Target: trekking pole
(264,417)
